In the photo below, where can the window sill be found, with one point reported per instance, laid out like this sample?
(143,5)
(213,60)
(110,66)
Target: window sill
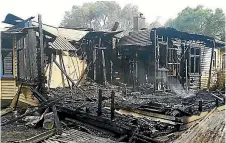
(4,77)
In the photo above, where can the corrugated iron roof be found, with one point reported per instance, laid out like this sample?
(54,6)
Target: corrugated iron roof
(62,44)
(69,34)
(136,38)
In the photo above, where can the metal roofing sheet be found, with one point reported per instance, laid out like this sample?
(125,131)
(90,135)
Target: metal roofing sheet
(137,38)
(62,44)
(69,34)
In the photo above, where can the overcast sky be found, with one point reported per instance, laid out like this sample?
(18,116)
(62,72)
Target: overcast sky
(53,10)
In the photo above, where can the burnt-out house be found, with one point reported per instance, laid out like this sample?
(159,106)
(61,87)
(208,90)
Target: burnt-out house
(36,57)
(166,57)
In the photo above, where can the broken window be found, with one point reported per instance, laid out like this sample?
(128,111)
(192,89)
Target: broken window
(6,57)
(195,60)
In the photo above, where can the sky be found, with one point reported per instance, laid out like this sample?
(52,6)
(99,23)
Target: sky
(52,11)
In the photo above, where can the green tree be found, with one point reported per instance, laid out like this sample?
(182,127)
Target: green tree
(100,15)
(200,21)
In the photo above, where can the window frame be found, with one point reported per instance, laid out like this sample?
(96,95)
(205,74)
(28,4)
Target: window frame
(195,56)
(2,74)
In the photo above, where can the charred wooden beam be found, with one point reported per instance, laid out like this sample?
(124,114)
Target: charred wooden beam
(56,120)
(40,57)
(216,97)
(112,105)
(40,107)
(104,68)
(217,102)
(39,137)
(64,72)
(99,112)
(122,138)
(16,98)
(98,121)
(211,62)
(61,65)
(94,64)
(200,105)
(73,121)
(145,138)
(38,95)
(50,71)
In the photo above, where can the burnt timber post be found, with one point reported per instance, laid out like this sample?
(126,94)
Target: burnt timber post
(200,106)
(99,112)
(136,64)
(41,43)
(211,61)
(56,120)
(61,65)
(94,64)
(40,56)
(104,67)
(155,42)
(112,105)
(50,71)
(186,73)
(217,102)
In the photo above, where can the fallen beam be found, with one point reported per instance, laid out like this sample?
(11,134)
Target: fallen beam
(98,121)
(39,137)
(68,77)
(216,97)
(151,114)
(6,111)
(125,112)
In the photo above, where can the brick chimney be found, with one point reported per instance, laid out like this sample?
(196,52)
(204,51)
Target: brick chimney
(139,22)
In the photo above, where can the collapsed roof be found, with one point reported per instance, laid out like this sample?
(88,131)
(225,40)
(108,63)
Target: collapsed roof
(142,37)
(175,34)
(136,38)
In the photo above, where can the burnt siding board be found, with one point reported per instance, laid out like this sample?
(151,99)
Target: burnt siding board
(205,66)
(27,61)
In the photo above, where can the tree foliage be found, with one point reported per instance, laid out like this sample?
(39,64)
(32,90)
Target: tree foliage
(100,15)
(200,21)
